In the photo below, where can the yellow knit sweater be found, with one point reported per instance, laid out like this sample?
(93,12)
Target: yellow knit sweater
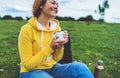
(34,46)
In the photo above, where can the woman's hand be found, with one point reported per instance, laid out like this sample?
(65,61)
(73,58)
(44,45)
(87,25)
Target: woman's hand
(55,44)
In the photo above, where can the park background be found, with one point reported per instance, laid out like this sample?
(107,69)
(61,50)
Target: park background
(94,30)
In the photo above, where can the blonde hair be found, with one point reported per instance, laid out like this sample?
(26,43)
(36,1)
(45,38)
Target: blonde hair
(36,10)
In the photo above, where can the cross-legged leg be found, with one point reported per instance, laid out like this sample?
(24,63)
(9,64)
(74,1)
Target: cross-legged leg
(71,70)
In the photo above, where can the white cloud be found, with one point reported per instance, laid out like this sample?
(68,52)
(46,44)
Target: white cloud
(78,8)
(15,8)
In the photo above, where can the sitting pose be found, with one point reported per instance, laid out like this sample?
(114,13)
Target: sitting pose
(40,52)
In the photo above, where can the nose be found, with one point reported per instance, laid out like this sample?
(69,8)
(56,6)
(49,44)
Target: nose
(56,5)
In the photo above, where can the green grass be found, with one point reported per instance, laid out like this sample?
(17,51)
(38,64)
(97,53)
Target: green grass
(9,58)
(90,41)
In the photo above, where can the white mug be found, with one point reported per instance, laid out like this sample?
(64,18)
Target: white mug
(59,35)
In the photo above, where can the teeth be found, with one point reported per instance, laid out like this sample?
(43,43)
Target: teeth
(53,9)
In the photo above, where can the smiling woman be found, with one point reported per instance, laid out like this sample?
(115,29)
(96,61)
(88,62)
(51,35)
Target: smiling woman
(40,4)
(40,52)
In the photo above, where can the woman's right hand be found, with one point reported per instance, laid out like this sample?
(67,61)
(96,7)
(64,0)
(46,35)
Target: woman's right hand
(55,44)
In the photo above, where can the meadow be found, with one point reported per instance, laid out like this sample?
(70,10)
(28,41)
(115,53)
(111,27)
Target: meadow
(90,41)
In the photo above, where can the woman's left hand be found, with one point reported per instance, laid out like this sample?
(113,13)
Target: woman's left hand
(60,43)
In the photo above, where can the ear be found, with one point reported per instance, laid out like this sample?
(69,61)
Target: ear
(40,7)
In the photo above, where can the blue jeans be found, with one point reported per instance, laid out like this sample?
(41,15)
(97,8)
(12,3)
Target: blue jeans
(70,70)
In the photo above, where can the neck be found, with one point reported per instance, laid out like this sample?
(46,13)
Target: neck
(44,21)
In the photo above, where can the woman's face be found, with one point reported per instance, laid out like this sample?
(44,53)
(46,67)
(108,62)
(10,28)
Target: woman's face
(50,9)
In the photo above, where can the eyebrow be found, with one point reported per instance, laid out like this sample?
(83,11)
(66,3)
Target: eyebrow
(55,1)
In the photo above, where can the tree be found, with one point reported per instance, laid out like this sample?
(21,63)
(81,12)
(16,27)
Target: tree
(65,18)
(87,18)
(102,8)
(18,18)
(7,17)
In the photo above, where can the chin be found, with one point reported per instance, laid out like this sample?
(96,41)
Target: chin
(53,15)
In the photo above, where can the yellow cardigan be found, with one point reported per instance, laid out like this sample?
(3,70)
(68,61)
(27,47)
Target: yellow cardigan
(34,46)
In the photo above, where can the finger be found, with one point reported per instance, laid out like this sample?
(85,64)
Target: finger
(59,41)
(65,31)
(53,36)
(66,40)
(65,35)
(57,45)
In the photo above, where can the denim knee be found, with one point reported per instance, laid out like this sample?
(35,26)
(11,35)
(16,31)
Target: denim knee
(79,68)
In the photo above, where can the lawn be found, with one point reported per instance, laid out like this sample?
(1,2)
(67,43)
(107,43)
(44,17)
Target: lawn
(90,41)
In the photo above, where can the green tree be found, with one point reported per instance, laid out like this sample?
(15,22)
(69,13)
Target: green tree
(7,17)
(102,9)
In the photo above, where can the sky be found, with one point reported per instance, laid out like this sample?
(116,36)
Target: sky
(72,8)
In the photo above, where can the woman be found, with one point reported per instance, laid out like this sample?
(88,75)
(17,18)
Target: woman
(40,52)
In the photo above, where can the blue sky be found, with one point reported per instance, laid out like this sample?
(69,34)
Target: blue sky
(73,8)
